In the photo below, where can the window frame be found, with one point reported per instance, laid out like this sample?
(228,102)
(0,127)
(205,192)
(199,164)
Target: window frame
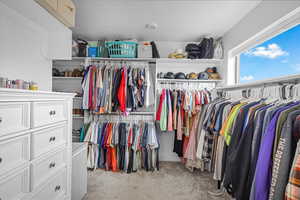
(282,25)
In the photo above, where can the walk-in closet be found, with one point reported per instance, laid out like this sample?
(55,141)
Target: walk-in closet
(149,100)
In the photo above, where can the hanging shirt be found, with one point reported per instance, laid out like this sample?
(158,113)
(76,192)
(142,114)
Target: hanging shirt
(122,91)
(264,165)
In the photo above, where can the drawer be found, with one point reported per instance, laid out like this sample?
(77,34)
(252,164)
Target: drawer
(43,169)
(14,117)
(55,188)
(44,113)
(66,9)
(16,186)
(48,139)
(14,152)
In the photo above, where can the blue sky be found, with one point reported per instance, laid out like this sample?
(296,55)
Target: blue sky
(276,57)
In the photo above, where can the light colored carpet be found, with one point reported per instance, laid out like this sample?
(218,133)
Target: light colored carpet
(172,182)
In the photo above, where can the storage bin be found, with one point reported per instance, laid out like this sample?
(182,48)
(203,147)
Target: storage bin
(121,49)
(144,50)
(94,51)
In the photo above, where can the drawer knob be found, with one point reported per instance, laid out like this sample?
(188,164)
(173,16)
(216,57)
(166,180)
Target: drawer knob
(52,165)
(52,112)
(57,188)
(0,163)
(0,122)
(52,139)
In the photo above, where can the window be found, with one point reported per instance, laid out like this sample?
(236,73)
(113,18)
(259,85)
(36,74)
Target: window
(278,56)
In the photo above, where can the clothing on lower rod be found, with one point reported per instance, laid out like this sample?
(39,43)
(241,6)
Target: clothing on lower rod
(122,146)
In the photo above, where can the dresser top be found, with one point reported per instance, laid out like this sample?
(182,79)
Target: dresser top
(8,93)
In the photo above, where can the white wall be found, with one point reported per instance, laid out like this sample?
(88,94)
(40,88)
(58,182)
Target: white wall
(30,38)
(22,44)
(265,14)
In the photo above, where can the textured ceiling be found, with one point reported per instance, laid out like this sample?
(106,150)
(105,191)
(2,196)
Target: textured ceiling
(176,20)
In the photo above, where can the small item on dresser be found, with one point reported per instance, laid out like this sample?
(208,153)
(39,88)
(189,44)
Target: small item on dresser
(8,84)
(14,84)
(33,86)
(19,84)
(3,82)
(26,85)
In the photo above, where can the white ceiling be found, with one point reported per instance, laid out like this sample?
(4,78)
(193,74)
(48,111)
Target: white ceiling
(177,20)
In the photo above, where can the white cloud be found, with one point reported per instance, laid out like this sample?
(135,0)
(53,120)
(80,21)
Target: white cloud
(296,67)
(247,78)
(271,51)
(284,61)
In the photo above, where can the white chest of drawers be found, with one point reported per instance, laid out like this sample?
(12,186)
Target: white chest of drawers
(35,145)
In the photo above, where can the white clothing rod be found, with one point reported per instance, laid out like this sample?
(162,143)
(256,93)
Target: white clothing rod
(264,83)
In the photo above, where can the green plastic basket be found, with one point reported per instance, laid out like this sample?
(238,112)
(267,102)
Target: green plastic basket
(121,49)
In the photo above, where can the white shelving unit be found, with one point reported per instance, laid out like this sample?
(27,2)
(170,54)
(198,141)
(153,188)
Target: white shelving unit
(78,117)
(158,60)
(73,84)
(187,80)
(66,78)
(70,84)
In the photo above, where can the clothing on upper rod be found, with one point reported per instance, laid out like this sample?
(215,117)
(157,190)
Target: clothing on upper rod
(250,144)
(181,111)
(115,87)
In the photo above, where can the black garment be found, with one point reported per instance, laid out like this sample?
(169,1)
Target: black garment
(130,164)
(115,87)
(155,53)
(145,159)
(102,160)
(178,146)
(122,143)
(234,143)
(207,48)
(224,158)
(157,158)
(240,162)
(130,92)
(256,139)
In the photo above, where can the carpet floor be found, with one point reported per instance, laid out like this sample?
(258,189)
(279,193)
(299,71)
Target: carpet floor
(172,182)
